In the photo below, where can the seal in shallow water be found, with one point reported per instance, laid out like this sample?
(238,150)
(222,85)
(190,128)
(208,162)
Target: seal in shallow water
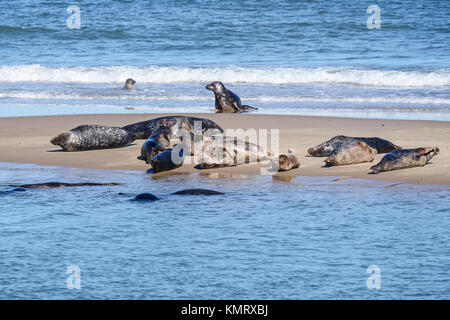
(351,152)
(145,197)
(226,100)
(144,129)
(92,137)
(129,84)
(405,158)
(326,148)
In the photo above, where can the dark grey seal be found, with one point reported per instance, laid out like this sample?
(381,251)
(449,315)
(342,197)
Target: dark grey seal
(49,185)
(326,149)
(92,137)
(129,84)
(164,162)
(351,152)
(157,143)
(197,192)
(405,158)
(226,100)
(144,129)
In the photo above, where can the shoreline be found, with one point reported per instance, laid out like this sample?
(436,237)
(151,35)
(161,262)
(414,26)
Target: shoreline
(27,140)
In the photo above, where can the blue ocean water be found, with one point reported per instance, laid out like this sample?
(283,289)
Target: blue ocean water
(285,57)
(316,243)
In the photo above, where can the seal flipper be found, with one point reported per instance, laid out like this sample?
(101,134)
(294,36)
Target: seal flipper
(248,108)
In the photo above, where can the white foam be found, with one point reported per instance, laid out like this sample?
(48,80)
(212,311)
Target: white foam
(165,75)
(40,95)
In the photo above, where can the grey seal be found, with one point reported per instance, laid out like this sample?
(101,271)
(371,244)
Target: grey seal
(50,185)
(164,162)
(92,137)
(227,151)
(226,100)
(405,158)
(129,84)
(326,148)
(351,152)
(287,162)
(144,129)
(157,142)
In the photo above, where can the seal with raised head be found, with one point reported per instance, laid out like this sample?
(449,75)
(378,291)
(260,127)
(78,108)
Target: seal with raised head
(164,161)
(158,141)
(351,152)
(287,162)
(405,158)
(326,148)
(144,129)
(226,100)
(92,137)
(129,84)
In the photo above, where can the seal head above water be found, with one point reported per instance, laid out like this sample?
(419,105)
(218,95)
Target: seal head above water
(129,84)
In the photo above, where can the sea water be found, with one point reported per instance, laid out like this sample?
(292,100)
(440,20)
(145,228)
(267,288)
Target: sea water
(285,57)
(303,239)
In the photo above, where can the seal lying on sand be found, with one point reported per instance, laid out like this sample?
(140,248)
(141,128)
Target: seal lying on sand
(287,162)
(226,100)
(218,152)
(326,148)
(197,192)
(164,162)
(351,152)
(144,129)
(129,84)
(405,158)
(49,185)
(91,137)
(157,143)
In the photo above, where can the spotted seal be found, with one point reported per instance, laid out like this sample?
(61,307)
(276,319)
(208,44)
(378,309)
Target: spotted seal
(144,129)
(326,148)
(226,100)
(227,151)
(129,84)
(286,162)
(351,152)
(405,158)
(92,137)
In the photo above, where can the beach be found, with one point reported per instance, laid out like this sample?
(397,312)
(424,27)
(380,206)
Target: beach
(26,140)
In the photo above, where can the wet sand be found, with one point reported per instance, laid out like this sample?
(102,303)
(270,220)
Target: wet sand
(26,140)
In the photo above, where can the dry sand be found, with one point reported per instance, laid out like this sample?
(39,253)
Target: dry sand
(26,140)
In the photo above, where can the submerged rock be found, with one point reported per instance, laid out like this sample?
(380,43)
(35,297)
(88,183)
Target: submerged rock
(197,192)
(146,197)
(49,185)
